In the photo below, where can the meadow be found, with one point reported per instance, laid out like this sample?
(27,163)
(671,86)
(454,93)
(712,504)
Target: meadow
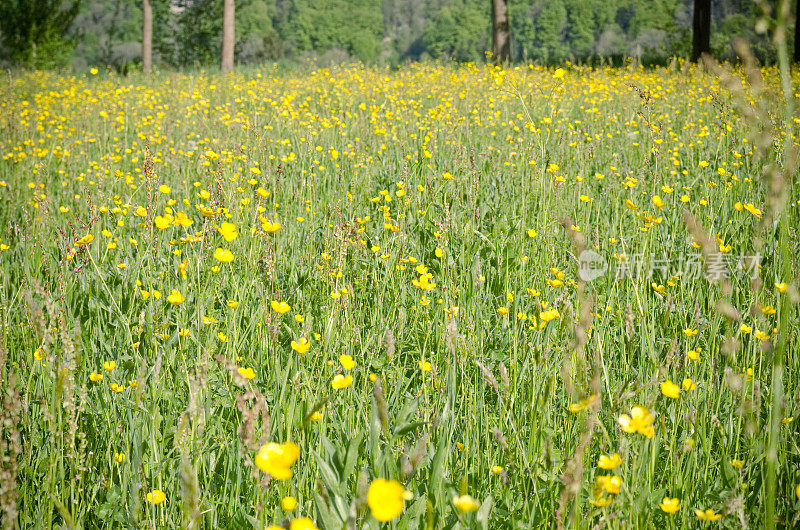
(433,296)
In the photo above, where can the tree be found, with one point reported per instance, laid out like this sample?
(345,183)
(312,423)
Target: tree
(701,29)
(147,36)
(228,36)
(35,33)
(501,38)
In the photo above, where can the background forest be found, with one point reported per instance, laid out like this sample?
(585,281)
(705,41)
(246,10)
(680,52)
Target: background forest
(187,33)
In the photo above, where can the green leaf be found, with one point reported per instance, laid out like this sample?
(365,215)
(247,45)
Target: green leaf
(482,517)
(327,474)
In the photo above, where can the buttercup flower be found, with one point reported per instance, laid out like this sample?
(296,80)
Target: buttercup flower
(340,381)
(277,459)
(670,505)
(386,498)
(670,389)
(640,420)
(465,503)
(609,462)
(280,307)
(156,497)
(708,515)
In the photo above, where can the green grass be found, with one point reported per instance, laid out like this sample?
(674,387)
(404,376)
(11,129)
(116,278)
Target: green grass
(525,150)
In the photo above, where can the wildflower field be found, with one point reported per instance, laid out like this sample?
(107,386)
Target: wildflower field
(423,297)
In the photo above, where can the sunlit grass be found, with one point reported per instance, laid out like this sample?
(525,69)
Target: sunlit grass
(380,268)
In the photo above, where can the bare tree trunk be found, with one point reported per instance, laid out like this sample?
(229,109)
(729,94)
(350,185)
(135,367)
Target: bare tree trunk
(147,36)
(797,32)
(701,29)
(501,35)
(228,38)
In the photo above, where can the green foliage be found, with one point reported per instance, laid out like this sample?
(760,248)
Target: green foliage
(321,25)
(35,33)
(459,30)
(187,32)
(111,33)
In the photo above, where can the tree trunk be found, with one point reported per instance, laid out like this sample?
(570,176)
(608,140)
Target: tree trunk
(701,29)
(147,36)
(228,38)
(501,35)
(797,32)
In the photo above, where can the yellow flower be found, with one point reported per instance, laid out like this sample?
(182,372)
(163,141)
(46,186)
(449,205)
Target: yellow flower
(109,365)
(303,523)
(228,231)
(176,298)
(658,202)
(301,346)
(708,515)
(465,503)
(610,483)
(609,462)
(582,404)
(688,385)
(670,505)
(670,389)
(385,499)
(94,376)
(781,287)
(222,255)
(269,227)
(119,457)
(93,71)
(279,307)
(233,304)
(531,232)
(425,366)
(276,459)
(502,310)
(347,362)
(247,373)
(559,73)
(549,315)
(496,470)
(737,463)
(797,491)
(689,332)
(640,420)
(340,381)
(746,329)
(601,501)
(163,222)
(156,497)
(288,504)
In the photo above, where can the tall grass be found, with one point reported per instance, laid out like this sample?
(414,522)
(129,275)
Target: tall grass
(506,381)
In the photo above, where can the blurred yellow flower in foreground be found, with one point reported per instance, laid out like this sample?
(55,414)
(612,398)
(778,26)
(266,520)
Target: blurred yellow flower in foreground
(385,499)
(277,459)
(465,503)
(609,462)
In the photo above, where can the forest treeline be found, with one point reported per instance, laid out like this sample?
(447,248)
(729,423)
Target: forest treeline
(188,33)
